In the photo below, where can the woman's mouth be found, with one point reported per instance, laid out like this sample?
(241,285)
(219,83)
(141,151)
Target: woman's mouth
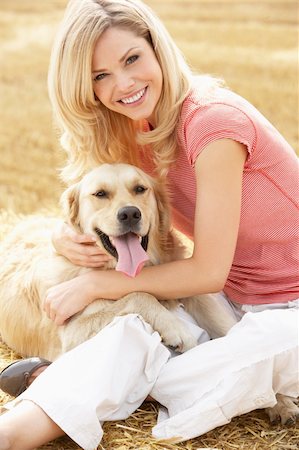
(134,99)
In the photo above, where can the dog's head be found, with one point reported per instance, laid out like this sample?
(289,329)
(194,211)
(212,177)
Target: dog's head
(125,209)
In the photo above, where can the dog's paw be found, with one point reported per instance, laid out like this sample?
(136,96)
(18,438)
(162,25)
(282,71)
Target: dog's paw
(179,339)
(285,411)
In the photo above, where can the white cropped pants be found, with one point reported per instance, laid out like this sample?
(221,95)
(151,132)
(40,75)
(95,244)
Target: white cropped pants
(110,375)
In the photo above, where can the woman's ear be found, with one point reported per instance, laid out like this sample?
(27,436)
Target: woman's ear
(70,205)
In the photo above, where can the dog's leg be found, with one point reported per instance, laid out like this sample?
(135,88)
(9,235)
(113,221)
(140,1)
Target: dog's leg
(101,312)
(172,331)
(285,411)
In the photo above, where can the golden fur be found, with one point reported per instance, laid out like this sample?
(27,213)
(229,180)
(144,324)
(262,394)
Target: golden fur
(29,266)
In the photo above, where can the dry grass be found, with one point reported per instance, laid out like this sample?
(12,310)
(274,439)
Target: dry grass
(253,45)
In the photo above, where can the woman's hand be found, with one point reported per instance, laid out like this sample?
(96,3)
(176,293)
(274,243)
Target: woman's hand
(66,299)
(80,249)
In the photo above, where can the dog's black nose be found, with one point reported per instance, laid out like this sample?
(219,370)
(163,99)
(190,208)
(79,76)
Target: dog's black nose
(129,215)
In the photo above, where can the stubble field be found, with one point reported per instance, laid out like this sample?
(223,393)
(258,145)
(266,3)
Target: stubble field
(253,45)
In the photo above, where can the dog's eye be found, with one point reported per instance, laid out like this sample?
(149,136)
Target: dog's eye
(140,189)
(101,194)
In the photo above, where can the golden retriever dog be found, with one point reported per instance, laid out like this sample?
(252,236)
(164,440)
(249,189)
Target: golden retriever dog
(128,213)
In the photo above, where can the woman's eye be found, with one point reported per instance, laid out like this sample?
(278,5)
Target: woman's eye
(100,76)
(132,59)
(140,189)
(101,194)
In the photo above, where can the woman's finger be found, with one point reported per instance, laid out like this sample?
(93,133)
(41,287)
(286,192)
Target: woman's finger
(82,238)
(89,252)
(86,261)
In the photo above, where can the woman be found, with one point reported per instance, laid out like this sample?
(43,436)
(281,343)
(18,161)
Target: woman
(121,91)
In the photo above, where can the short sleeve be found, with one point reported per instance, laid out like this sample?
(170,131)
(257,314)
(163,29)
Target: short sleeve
(214,122)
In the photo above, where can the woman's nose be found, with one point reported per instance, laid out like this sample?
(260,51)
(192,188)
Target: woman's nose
(124,82)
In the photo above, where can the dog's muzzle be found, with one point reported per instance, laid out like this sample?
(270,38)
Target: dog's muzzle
(109,247)
(129,218)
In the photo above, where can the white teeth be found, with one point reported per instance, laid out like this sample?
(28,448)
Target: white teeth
(134,98)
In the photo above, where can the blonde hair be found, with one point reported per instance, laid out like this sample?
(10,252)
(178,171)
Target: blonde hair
(93,134)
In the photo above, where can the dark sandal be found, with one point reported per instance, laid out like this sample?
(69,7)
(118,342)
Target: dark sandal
(15,377)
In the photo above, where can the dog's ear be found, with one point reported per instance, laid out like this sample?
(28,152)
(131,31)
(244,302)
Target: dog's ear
(70,204)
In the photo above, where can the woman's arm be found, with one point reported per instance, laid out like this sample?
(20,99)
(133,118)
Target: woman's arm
(219,173)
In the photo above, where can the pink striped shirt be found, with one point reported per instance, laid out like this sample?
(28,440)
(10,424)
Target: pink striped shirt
(265,268)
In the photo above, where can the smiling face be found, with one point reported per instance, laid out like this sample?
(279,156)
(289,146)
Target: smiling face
(127,77)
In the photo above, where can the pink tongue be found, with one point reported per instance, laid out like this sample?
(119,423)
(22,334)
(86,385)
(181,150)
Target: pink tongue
(131,255)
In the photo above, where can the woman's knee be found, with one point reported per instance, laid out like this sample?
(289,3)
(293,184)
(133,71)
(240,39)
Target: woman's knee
(270,327)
